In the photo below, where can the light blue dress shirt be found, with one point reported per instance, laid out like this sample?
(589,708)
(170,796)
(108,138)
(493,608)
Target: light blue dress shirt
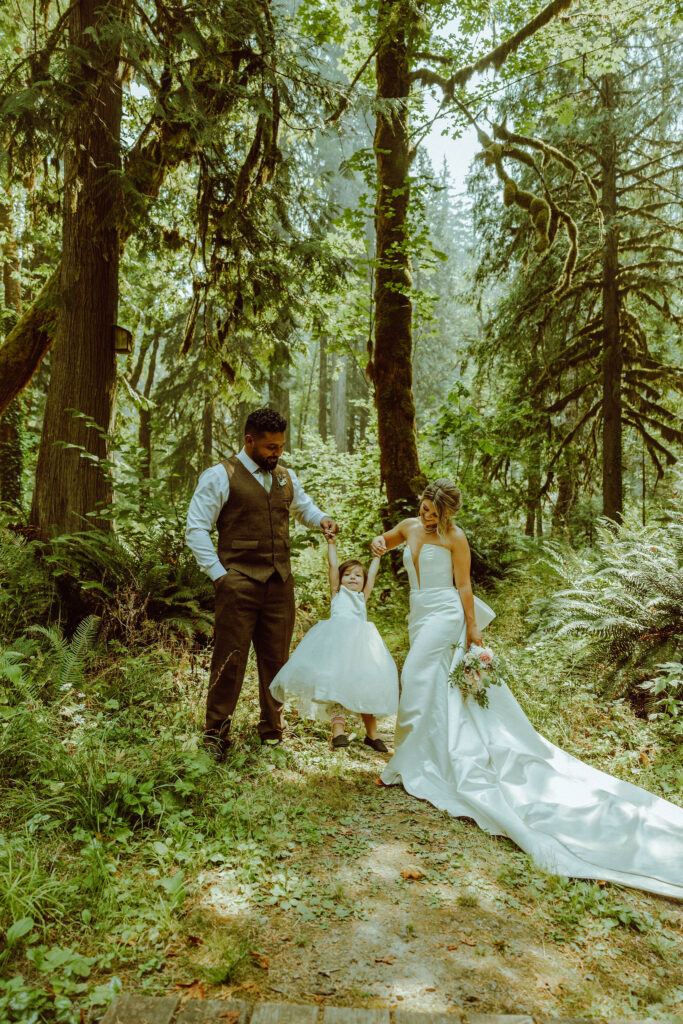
(211,495)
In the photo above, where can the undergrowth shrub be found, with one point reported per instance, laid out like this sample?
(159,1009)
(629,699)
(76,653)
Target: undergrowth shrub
(620,608)
(27,589)
(138,588)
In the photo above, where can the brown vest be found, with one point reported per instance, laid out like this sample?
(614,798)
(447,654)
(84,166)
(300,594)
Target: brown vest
(253,525)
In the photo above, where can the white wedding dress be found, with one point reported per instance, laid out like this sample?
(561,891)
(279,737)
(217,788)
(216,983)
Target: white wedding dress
(491,765)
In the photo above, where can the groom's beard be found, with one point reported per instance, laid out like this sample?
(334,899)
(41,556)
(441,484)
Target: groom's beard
(268,464)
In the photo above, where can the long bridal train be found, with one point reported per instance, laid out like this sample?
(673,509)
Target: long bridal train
(491,765)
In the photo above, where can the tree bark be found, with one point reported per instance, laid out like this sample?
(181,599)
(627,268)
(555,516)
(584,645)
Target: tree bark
(323,388)
(390,366)
(566,496)
(306,397)
(278,382)
(145,422)
(338,405)
(612,354)
(71,480)
(11,440)
(207,433)
(532,506)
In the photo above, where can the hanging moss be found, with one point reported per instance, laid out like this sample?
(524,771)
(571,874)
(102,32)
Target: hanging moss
(550,153)
(572,255)
(509,192)
(544,214)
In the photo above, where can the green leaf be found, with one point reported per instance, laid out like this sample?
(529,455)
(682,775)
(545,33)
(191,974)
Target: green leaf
(17,931)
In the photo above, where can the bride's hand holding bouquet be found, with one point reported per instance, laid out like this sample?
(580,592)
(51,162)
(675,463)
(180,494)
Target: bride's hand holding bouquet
(475,673)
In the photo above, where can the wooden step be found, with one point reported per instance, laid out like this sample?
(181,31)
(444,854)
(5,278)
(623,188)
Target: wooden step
(129,1009)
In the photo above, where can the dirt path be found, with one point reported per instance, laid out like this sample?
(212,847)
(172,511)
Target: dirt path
(361,895)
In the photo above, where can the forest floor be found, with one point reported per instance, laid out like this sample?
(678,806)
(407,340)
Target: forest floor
(128,860)
(376,899)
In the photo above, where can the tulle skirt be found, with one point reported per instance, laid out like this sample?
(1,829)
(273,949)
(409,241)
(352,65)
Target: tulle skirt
(342,664)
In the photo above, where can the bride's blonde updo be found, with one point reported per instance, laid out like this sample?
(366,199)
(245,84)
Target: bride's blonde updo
(447,500)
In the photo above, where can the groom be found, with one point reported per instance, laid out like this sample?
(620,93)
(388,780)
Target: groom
(250,498)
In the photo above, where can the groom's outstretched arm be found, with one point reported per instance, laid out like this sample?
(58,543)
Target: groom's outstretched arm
(304,509)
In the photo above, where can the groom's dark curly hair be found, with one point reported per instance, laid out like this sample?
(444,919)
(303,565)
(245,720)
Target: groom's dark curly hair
(265,421)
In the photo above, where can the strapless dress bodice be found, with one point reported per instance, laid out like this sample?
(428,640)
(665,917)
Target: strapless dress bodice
(436,567)
(348,603)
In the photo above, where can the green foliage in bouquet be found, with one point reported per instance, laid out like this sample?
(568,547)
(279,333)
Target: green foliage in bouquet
(474,681)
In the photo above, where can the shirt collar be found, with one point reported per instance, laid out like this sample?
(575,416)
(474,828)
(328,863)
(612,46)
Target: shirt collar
(248,462)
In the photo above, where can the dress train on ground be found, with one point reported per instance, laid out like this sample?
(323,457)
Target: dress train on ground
(490,764)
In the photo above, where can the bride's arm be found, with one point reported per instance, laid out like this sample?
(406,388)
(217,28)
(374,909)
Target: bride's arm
(460,552)
(391,539)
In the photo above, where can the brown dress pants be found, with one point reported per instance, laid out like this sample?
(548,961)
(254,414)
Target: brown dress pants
(248,610)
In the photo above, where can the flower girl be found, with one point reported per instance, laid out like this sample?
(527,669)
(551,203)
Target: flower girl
(342,664)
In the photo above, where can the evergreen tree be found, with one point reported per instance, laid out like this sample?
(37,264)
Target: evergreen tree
(601,349)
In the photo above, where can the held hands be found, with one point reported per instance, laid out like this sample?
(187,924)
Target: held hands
(330,529)
(378,546)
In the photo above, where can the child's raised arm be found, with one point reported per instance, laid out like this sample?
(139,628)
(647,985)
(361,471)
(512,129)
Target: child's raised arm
(373,569)
(333,564)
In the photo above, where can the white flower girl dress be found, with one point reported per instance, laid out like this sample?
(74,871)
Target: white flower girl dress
(341,665)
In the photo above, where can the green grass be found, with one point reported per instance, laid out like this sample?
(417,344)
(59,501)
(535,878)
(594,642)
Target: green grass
(120,832)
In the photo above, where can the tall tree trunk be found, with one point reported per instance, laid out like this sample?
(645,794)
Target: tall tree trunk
(11,440)
(612,355)
(81,397)
(306,397)
(390,366)
(278,382)
(207,433)
(534,520)
(323,387)
(566,495)
(338,405)
(145,422)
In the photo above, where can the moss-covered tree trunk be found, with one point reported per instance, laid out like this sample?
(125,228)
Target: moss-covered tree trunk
(533,526)
(566,497)
(391,363)
(11,441)
(612,354)
(71,481)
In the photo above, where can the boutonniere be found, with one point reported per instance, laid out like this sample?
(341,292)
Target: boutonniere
(281,479)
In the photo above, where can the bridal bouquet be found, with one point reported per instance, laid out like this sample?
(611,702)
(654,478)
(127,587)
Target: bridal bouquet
(474,674)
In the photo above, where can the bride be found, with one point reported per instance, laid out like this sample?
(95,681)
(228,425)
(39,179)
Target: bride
(489,763)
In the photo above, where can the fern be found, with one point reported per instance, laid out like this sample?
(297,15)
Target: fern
(82,642)
(620,604)
(133,587)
